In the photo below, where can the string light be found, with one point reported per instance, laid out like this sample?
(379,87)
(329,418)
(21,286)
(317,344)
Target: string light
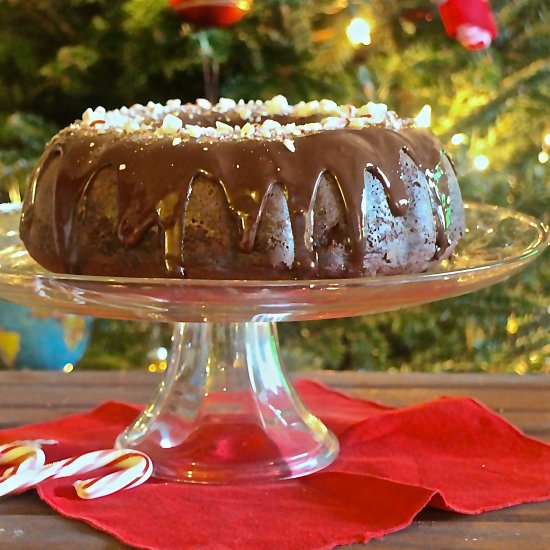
(547,139)
(358,32)
(424,117)
(512,325)
(457,139)
(481,162)
(543,157)
(68,368)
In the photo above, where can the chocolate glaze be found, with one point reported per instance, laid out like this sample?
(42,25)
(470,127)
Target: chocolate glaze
(155,178)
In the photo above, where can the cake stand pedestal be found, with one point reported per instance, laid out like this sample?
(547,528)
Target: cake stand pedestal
(225,412)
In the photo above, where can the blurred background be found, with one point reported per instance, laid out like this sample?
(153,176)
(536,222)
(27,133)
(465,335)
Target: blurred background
(491,107)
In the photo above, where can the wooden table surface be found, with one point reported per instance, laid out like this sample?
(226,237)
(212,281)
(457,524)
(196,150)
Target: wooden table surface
(27,523)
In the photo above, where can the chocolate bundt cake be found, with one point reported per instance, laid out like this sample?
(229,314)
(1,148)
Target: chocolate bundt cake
(256,190)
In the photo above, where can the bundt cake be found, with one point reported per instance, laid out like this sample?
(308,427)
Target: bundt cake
(247,190)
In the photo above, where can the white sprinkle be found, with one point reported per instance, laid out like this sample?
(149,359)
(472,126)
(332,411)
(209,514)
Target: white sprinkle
(171,124)
(313,127)
(277,106)
(122,167)
(328,107)
(176,141)
(377,111)
(334,122)
(289,144)
(223,128)
(92,144)
(247,130)
(94,116)
(204,103)
(244,112)
(269,126)
(225,104)
(307,109)
(194,131)
(205,148)
(131,125)
(357,122)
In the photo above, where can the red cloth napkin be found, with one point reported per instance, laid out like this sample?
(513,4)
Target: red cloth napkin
(452,453)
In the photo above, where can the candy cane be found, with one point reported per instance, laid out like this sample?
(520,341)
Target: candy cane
(136,469)
(21,455)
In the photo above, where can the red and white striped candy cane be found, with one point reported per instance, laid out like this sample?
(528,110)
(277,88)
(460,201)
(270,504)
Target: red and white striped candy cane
(136,468)
(21,456)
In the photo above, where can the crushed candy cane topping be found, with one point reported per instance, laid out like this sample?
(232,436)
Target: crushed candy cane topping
(256,119)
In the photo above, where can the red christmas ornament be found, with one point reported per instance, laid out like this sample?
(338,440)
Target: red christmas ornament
(211,13)
(469,21)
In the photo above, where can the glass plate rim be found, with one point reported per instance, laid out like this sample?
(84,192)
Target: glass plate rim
(535,248)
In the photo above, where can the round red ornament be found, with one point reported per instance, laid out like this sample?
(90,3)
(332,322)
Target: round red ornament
(211,13)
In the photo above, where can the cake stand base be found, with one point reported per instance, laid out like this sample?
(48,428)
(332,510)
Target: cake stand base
(225,412)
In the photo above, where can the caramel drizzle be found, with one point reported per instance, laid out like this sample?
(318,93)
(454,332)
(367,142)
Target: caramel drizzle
(246,169)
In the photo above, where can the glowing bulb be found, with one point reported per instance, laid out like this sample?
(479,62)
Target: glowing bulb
(543,157)
(162,353)
(547,139)
(481,162)
(68,367)
(457,139)
(512,325)
(424,117)
(358,32)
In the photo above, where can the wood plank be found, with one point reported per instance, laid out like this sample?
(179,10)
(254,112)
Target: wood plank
(359,379)
(103,378)
(457,535)
(499,400)
(510,396)
(533,512)
(31,532)
(27,504)
(41,532)
(341,379)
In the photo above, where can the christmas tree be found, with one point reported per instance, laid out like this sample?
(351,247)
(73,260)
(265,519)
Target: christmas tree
(490,107)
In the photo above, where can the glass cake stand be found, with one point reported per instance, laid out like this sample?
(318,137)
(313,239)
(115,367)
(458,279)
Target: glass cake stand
(225,410)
